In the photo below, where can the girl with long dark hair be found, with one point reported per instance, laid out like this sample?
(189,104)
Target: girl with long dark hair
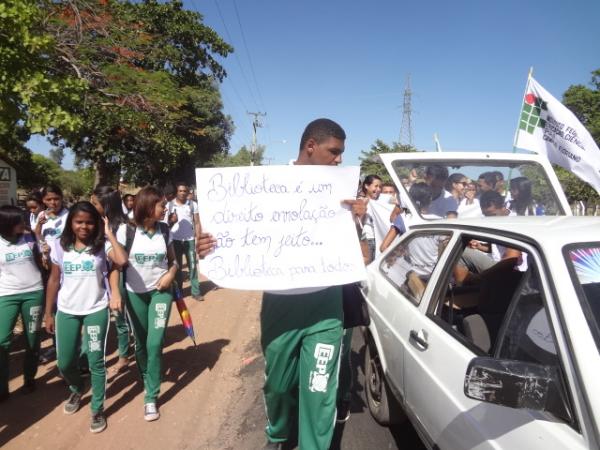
(79,283)
(21,292)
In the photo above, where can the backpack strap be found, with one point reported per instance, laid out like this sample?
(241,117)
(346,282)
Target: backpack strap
(164,230)
(129,237)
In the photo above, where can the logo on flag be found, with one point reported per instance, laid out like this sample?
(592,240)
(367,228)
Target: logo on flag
(531,114)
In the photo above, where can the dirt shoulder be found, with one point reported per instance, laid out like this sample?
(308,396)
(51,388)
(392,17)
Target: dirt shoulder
(210,396)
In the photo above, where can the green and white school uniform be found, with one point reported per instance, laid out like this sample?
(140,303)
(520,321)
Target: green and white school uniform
(82,303)
(54,226)
(21,292)
(148,309)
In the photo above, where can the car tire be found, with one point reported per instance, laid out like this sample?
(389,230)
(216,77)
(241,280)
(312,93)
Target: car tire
(381,401)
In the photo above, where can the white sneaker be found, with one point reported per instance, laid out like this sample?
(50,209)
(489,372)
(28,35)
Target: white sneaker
(151,412)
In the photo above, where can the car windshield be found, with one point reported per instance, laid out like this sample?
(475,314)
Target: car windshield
(585,263)
(475,189)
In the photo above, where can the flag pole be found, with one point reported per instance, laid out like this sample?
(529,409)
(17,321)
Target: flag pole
(438,146)
(529,75)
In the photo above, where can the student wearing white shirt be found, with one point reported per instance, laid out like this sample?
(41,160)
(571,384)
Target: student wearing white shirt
(185,228)
(149,277)
(107,202)
(34,205)
(21,292)
(78,283)
(442,201)
(51,221)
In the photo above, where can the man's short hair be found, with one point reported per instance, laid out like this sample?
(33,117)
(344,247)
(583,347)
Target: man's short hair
(491,198)
(320,130)
(490,179)
(437,172)
(181,183)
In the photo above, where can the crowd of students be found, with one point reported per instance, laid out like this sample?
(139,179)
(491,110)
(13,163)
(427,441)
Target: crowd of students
(69,268)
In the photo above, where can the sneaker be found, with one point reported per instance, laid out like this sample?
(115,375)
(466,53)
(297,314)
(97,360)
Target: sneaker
(272,446)
(151,412)
(98,422)
(121,365)
(28,387)
(72,404)
(343,412)
(198,298)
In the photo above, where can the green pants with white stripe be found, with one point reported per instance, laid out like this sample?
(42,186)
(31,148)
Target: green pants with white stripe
(68,341)
(149,315)
(301,337)
(29,305)
(187,248)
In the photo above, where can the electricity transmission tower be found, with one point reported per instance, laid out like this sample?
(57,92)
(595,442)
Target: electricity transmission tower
(256,123)
(406,130)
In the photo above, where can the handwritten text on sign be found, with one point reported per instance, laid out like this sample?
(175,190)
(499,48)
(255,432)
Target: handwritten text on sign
(279,227)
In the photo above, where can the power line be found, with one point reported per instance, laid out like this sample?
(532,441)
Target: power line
(248,53)
(236,58)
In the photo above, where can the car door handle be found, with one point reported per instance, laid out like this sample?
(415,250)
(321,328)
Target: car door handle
(422,341)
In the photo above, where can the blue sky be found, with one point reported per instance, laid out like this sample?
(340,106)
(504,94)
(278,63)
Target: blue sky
(348,60)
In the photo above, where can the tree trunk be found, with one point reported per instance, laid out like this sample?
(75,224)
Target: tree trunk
(103,173)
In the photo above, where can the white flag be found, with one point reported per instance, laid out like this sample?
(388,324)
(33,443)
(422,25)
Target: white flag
(549,128)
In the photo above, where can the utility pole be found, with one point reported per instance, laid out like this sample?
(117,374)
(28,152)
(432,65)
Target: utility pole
(255,124)
(406,131)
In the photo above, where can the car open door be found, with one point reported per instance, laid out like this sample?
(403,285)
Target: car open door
(527,182)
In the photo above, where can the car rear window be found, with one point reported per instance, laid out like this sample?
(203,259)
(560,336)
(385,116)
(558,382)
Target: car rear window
(584,261)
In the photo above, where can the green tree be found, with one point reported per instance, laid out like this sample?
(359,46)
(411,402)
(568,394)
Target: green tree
(241,158)
(585,104)
(57,155)
(46,171)
(370,163)
(78,183)
(33,98)
(152,110)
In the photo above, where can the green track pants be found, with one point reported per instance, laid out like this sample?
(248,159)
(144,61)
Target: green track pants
(301,337)
(68,341)
(29,305)
(149,316)
(187,248)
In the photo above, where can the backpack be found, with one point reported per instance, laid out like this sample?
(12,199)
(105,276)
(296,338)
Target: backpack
(130,235)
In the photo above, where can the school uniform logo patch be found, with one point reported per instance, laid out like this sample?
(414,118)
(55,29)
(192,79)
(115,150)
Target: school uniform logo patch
(93,332)
(319,378)
(161,320)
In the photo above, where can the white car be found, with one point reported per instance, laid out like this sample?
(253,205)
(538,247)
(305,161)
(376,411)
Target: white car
(505,357)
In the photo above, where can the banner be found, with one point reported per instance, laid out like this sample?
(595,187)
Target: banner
(549,128)
(280,227)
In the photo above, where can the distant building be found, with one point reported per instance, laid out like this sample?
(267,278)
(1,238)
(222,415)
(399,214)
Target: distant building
(8,182)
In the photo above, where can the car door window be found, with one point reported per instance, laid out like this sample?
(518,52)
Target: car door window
(482,279)
(409,265)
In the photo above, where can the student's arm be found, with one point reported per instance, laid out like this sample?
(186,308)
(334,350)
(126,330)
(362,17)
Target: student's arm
(389,238)
(116,302)
(51,293)
(167,279)
(117,254)
(197,226)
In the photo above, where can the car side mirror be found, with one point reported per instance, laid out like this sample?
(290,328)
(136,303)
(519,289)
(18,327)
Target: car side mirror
(516,384)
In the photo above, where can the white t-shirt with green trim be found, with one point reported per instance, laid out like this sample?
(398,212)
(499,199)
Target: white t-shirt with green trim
(83,282)
(54,226)
(147,259)
(18,271)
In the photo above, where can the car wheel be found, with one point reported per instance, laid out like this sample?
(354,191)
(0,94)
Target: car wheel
(381,401)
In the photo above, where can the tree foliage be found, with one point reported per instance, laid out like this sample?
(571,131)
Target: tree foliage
(152,108)
(242,158)
(370,163)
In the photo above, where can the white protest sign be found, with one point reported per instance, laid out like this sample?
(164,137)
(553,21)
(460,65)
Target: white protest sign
(279,227)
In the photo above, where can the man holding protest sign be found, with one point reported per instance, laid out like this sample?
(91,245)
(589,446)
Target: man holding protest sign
(302,329)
